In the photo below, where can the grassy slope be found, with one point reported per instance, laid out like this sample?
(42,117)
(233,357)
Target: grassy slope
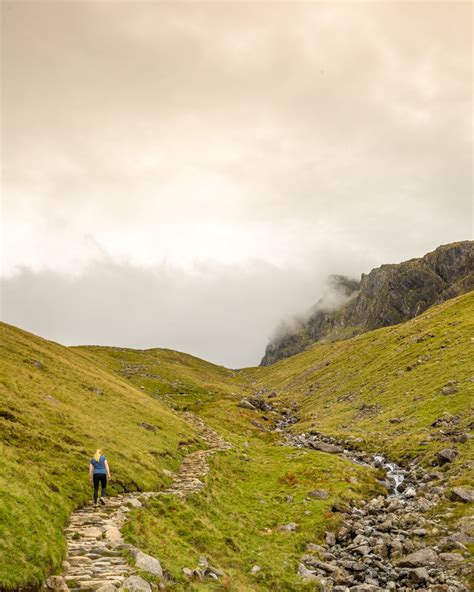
(356,387)
(352,387)
(56,407)
(247,487)
(166,373)
(233,522)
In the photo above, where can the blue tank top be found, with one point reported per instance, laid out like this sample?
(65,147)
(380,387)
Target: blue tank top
(99,466)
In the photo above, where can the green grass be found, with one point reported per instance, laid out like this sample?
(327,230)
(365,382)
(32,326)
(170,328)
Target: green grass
(56,407)
(234,521)
(164,372)
(355,387)
(58,404)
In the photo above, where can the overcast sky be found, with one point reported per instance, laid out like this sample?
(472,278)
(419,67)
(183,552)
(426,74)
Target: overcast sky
(185,175)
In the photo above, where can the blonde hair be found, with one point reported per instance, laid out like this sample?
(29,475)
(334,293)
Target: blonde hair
(98,454)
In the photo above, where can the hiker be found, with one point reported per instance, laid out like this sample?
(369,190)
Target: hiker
(99,472)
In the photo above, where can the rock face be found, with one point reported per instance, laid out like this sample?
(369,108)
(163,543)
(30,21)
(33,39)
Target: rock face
(388,295)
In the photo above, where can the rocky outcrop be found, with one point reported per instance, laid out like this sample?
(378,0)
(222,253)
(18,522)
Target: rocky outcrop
(388,295)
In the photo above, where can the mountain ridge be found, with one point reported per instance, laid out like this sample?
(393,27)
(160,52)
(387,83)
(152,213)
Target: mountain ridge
(389,294)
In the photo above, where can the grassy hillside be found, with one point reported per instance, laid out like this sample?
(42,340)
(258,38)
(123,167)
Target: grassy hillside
(385,389)
(406,390)
(56,407)
(165,372)
(252,489)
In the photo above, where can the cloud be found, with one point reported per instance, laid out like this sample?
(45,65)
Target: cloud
(221,313)
(175,136)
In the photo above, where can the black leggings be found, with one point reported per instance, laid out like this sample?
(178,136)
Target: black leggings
(102,479)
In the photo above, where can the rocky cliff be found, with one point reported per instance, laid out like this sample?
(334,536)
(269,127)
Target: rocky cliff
(388,295)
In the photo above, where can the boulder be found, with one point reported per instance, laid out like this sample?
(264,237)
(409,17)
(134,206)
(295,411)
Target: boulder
(107,587)
(419,558)
(451,558)
(321,494)
(147,426)
(462,494)
(325,447)
(134,503)
(446,455)
(420,575)
(306,574)
(291,527)
(148,563)
(451,389)
(113,536)
(246,404)
(135,584)
(56,583)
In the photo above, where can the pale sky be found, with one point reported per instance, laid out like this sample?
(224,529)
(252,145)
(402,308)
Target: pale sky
(186,174)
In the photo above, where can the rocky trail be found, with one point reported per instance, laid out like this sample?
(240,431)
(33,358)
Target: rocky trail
(96,551)
(392,542)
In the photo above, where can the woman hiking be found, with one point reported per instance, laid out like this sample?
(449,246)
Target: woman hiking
(99,473)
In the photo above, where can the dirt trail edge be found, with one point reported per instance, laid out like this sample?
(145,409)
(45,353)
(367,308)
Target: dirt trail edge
(95,546)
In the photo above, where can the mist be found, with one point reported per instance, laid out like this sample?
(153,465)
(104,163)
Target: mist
(224,314)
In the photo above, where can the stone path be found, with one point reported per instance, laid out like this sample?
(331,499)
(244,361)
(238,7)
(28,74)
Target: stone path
(95,547)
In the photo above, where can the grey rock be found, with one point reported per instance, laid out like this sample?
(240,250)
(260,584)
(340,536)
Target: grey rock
(291,527)
(462,494)
(420,575)
(148,563)
(321,494)
(306,574)
(56,583)
(246,404)
(325,447)
(107,587)
(419,558)
(451,389)
(451,558)
(135,584)
(446,455)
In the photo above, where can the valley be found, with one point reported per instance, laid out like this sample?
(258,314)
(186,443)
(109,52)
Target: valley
(283,507)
